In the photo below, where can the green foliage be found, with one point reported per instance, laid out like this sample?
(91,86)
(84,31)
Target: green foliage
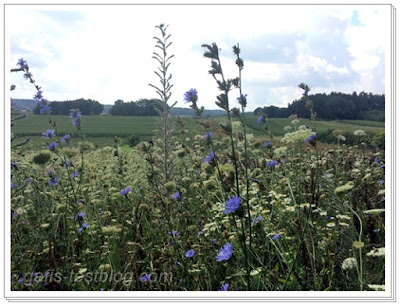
(293,199)
(378,140)
(86,107)
(132,140)
(41,158)
(371,140)
(373,115)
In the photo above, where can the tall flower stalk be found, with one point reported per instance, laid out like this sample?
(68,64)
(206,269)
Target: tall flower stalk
(226,85)
(243,103)
(164,125)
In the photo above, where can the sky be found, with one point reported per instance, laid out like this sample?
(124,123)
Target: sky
(104,52)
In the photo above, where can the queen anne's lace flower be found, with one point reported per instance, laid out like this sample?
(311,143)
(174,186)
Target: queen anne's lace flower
(349,263)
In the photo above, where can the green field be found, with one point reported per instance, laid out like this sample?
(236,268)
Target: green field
(277,125)
(100,130)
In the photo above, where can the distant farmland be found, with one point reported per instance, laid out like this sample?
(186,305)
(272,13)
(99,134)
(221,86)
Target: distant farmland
(100,130)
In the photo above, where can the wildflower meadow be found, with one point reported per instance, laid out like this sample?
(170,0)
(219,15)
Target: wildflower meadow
(217,210)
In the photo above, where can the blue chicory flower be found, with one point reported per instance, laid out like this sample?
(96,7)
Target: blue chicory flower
(272,163)
(190,96)
(242,100)
(224,287)
(48,134)
(174,232)
(208,135)
(27,75)
(38,95)
(74,174)
(261,119)
(232,204)
(44,109)
(65,138)
(225,252)
(176,195)
(276,237)
(210,157)
(22,63)
(75,115)
(125,191)
(146,278)
(311,138)
(54,181)
(79,216)
(52,146)
(256,220)
(190,253)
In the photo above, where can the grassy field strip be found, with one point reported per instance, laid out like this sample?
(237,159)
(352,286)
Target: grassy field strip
(100,130)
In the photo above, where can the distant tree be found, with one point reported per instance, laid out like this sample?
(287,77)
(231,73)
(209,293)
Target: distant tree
(87,107)
(334,106)
(143,107)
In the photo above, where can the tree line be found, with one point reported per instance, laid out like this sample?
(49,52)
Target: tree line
(142,107)
(86,107)
(334,106)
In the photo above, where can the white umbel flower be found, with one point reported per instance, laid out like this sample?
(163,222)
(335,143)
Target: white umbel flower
(349,263)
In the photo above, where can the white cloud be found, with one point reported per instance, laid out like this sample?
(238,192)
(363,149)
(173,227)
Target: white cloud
(104,52)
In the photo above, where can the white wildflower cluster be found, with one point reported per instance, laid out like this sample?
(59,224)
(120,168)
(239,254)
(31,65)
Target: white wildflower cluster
(344,189)
(280,152)
(277,198)
(298,136)
(377,287)
(349,263)
(236,126)
(376,252)
(209,227)
(359,133)
(374,211)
